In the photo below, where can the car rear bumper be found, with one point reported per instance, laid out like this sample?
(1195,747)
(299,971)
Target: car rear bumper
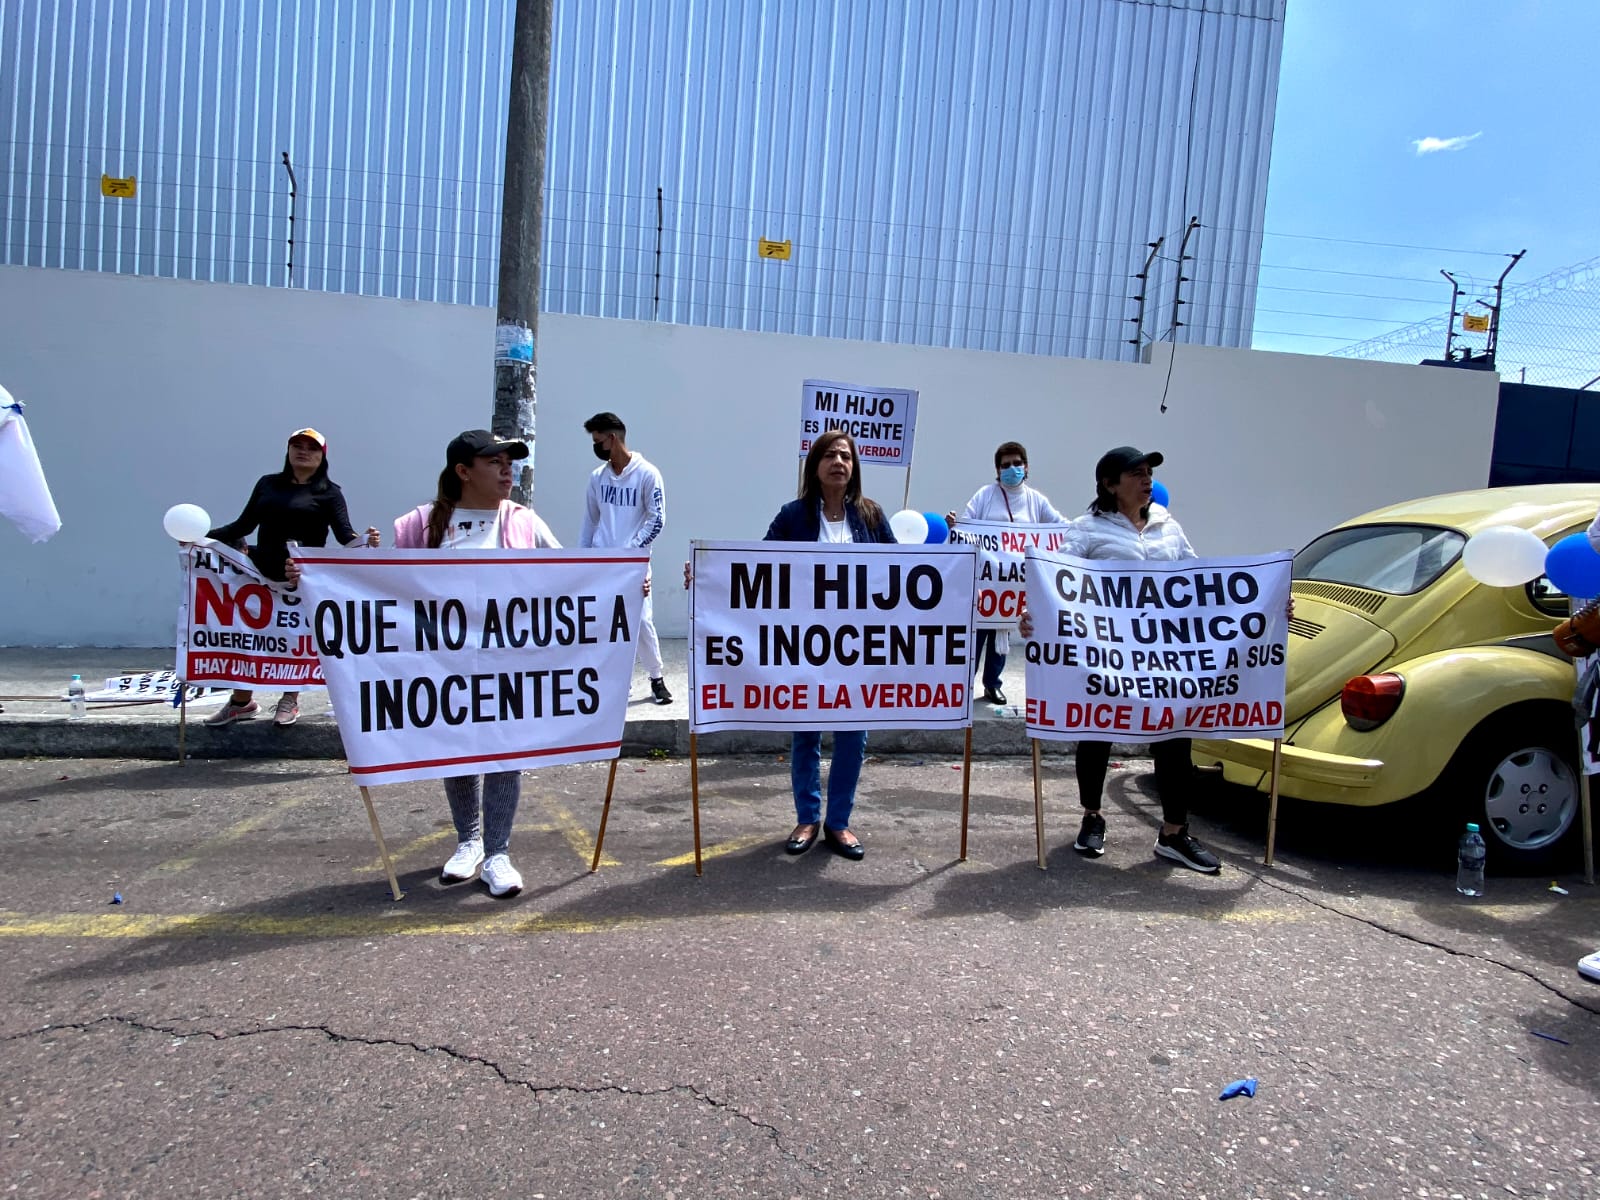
(1306,774)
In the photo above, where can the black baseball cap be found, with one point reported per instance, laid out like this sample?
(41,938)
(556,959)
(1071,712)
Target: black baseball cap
(475,443)
(1124,458)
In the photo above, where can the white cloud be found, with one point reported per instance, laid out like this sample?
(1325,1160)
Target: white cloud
(1432,145)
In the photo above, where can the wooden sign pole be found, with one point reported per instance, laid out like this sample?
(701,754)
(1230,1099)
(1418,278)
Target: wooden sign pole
(605,813)
(1272,804)
(966,790)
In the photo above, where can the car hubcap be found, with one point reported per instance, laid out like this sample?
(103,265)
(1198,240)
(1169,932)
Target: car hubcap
(1531,798)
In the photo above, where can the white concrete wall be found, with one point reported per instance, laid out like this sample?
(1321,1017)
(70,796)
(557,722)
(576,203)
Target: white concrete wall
(143,393)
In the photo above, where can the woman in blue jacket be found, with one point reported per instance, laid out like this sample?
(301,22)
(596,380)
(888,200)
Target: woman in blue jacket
(830,508)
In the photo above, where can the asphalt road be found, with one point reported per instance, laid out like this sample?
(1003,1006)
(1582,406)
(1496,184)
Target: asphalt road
(258,1018)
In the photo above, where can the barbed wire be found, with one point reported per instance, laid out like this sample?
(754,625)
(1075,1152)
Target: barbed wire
(1568,299)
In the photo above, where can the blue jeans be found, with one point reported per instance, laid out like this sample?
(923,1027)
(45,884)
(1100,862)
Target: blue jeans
(484,806)
(993,663)
(805,774)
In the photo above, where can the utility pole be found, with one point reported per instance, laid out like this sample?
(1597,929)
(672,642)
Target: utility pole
(522,234)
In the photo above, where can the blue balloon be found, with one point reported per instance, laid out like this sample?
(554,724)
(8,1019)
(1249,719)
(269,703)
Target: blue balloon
(938,531)
(1159,493)
(1573,566)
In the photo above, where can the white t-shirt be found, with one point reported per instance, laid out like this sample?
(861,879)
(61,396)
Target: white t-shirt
(472,529)
(835,531)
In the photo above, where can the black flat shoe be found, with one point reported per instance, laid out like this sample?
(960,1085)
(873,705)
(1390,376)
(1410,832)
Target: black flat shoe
(854,851)
(799,845)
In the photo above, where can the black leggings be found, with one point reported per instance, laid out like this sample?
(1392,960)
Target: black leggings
(1174,772)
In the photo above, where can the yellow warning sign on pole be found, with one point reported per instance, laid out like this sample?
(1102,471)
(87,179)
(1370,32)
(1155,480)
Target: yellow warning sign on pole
(771,249)
(1475,322)
(120,189)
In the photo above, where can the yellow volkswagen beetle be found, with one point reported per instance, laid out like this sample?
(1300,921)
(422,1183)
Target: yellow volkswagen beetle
(1405,674)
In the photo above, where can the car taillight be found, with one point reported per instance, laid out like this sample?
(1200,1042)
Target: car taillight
(1369,700)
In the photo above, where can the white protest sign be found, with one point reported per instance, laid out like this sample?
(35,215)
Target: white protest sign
(1002,582)
(452,662)
(815,636)
(237,628)
(883,421)
(1144,651)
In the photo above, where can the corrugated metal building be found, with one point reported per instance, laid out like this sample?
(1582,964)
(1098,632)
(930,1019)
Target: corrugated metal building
(975,173)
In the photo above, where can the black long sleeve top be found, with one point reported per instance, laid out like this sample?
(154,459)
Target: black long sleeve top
(287,512)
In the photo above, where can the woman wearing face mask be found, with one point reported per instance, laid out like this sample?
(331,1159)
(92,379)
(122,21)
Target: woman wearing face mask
(1011,500)
(297,504)
(472,511)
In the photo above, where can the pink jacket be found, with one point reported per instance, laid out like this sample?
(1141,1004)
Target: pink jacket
(520,529)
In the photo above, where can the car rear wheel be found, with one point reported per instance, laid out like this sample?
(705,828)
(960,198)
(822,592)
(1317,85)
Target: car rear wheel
(1520,785)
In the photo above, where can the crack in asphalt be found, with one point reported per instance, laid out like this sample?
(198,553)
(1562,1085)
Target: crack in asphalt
(538,1090)
(1381,927)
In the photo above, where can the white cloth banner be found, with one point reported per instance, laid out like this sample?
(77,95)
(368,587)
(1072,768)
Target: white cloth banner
(814,636)
(455,662)
(883,421)
(237,628)
(149,687)
(25,497)
(1145,651)
(1002,581)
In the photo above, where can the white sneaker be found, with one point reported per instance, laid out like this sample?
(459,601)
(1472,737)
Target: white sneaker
(501,876)
(287,712)
(463,864)
(1589,966)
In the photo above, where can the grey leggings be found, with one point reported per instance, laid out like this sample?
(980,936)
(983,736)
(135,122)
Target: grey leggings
(491,818)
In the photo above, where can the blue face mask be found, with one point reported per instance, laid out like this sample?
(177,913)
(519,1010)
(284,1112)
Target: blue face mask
(1013,476)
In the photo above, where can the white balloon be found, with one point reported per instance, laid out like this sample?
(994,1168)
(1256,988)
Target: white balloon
(1504,556)
(186,522)
(909,526)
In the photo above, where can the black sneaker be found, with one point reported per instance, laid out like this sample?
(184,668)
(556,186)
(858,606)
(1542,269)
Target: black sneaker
(1182,848)
(994,696)
(658,690)
(1091,834)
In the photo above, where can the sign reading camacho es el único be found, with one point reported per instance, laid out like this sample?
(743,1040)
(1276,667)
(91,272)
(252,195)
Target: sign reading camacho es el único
(1144,651)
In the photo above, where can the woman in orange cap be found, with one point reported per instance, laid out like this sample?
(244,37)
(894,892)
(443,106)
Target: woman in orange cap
(297,504)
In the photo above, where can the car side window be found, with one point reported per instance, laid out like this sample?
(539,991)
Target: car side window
(1548,598)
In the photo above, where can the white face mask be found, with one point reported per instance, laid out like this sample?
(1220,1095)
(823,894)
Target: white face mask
(1013,476)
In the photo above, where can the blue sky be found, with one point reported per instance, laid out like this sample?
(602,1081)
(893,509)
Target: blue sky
(1363,81)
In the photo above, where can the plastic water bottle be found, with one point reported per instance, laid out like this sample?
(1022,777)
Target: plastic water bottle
(77,707)
(1469,862)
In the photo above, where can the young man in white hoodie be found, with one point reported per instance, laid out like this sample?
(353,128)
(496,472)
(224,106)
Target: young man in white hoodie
(626,506)
(1008,498)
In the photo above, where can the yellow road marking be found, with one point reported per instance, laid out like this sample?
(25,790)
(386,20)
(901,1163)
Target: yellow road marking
(576,835)
(401,921)
(721,848)
(447,836)
(326,925)
(228,836)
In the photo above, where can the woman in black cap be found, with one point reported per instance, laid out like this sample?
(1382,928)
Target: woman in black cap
(1123,524)
(472,510)
(297,504)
